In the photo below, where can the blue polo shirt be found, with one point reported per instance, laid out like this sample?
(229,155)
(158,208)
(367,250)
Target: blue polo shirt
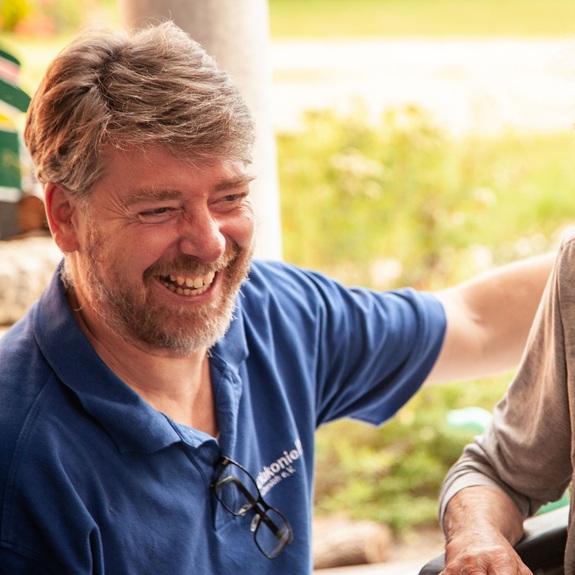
(93,480)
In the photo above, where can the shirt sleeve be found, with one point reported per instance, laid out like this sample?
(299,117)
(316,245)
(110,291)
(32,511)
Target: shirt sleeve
(525,451)
(368,352)
(392,342)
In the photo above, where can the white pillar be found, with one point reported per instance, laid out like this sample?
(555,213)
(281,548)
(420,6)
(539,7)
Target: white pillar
(236,34)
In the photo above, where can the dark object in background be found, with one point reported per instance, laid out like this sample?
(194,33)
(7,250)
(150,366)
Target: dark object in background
(21,209)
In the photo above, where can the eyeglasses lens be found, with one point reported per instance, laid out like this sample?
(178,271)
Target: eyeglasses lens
(236,490)
(272,533)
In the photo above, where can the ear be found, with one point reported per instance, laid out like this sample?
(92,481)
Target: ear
(60,208)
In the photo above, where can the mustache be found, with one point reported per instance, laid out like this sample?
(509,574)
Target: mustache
(186,265)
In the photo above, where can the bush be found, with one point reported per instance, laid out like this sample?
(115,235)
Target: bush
(37,17)
(393,474)
(12,12)
(403,203)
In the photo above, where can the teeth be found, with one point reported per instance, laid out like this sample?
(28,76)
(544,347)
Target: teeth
(188,286)
(195,282)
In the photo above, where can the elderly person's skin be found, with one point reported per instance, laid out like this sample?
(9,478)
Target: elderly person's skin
(481,526)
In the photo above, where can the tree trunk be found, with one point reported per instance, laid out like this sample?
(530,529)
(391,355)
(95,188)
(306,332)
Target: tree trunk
(236,34)
(338,542)
(26,266)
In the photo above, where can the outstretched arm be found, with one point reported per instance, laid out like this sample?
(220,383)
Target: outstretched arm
(489,318)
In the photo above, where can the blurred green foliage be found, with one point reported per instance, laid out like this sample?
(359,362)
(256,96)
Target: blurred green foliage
(404,203)
(33,18)
(393,474)
(12,12)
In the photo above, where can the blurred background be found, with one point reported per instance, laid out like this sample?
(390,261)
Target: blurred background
(418,142)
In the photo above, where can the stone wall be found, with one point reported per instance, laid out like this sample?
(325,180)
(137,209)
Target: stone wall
(26,266)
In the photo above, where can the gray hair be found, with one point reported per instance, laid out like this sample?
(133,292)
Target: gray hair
(112,88)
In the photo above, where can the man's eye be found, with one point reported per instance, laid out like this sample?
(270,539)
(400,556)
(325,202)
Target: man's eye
(233,199)
(157,214)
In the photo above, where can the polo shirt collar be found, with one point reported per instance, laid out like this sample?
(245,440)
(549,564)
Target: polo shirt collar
(131,422)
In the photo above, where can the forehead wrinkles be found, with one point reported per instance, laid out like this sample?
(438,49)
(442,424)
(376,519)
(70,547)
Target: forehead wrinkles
(142,163)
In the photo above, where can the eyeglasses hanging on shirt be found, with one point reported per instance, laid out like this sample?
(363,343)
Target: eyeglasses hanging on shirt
(238,492)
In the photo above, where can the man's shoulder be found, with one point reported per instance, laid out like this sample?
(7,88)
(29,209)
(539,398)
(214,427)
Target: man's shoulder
(271,279)
(280,277)
(272,285)
(17,348)
(23,378)
(273,270)
(567,249)
(24,369)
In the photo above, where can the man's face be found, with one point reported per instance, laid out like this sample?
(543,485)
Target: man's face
(163,250)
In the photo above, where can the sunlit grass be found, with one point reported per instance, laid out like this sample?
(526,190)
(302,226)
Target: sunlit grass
(437,18)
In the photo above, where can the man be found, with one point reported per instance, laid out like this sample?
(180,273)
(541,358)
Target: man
(525,457)
(159,402)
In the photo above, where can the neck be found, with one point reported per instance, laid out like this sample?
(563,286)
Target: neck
(178,385)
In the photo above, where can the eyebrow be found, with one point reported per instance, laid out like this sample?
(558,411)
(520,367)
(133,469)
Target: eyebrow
(158,195)
(150,195)
(237,182)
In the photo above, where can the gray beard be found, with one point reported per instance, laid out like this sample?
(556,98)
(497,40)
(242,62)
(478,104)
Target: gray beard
(142,322)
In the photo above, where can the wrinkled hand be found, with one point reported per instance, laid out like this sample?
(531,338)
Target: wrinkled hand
(474,554)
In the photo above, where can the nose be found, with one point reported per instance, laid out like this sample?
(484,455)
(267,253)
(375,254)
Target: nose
(201,237)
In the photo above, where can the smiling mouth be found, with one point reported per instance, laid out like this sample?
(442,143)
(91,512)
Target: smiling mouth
(187,286)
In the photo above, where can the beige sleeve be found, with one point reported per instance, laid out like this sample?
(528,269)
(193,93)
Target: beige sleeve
(526,451)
